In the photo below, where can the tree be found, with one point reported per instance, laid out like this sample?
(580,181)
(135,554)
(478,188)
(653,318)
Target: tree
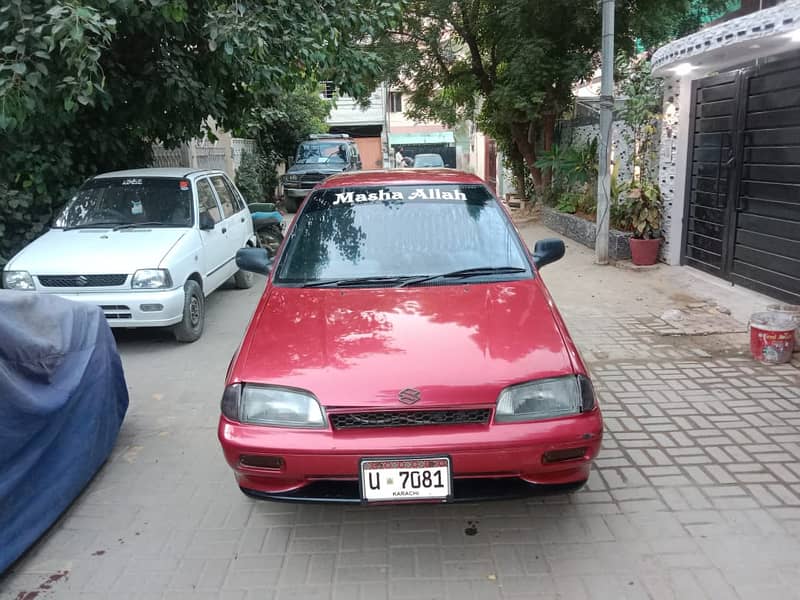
(89,88)
(510,64)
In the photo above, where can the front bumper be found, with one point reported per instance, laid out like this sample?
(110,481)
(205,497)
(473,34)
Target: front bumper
(293,192)
(497,460)
(124,308)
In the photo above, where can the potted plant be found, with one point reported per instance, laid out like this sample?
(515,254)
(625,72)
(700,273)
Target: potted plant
(642,204)
(643,212)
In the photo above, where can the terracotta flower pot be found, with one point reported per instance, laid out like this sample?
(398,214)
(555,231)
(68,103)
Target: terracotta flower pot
(644,252)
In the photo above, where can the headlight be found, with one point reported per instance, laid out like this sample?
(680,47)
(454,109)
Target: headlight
(151,279)
(266,405)
(17,280)
(545,399)
(291,178)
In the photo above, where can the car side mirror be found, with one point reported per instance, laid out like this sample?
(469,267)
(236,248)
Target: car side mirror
(206,222)
(255,260)
(547,251)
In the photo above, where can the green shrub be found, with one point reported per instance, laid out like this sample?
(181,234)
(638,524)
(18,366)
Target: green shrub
(249,177)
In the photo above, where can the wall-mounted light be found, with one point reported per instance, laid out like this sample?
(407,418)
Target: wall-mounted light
(683,69)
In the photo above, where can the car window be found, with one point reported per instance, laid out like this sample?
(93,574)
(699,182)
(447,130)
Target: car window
(237,195)
(208,202)
(428,160)
(322,152)
(109,201)
(225,195)
(399,231)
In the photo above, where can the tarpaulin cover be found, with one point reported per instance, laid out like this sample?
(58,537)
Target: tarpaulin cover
(62,400)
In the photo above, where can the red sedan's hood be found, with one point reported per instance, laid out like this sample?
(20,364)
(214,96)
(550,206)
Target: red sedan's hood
(457,345)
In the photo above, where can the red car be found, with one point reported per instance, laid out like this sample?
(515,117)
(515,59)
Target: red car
(406,349)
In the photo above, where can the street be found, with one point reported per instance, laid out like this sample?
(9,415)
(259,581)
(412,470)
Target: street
(696,493)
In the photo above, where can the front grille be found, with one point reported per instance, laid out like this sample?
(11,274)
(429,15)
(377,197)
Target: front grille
(312,178)
(116,311)
(81,280)
(366,420)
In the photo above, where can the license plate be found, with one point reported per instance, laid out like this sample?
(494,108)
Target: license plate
(395,480)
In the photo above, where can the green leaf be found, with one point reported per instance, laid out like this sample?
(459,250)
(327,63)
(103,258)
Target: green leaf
(9,49)
(19,68)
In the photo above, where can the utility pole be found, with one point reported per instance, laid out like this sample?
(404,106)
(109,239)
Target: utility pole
(606,118)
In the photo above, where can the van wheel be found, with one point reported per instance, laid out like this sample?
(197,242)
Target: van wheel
(244,279)
(194,314)
(290,204)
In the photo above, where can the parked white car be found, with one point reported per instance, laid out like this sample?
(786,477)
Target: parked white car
(146,245)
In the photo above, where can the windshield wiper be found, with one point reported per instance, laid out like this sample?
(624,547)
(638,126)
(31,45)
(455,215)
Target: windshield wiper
(143,224)
(464,274)
(357,281)
(92,225)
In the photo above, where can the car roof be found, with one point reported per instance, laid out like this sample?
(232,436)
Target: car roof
(430,154)
(401,177)
(174,172)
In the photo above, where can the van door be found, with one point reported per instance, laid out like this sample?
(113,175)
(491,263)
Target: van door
(217,258)
(233,213)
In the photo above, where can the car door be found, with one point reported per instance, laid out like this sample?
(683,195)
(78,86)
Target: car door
(233,213)
(217,257)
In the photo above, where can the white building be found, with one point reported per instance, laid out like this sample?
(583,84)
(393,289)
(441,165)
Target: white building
(365,125)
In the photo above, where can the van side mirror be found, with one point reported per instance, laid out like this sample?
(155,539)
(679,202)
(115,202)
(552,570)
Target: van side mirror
(547,251)
(206,222)
(255,260)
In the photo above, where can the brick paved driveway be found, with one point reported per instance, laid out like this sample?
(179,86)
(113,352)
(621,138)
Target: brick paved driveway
(697,493)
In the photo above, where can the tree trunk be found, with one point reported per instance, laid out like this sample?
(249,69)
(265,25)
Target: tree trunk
(518,169)
(519,133)
(548,132)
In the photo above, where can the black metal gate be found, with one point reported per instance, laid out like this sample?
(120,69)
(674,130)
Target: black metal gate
(742,218)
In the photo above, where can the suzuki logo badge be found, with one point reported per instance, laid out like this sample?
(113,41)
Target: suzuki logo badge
(82,280)
(409,396)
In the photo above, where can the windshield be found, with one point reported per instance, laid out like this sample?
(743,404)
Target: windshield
(130,201)
(400,231)
(321,152)
(428,160)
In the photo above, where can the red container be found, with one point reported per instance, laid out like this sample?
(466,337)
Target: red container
(644,252)
(771,337)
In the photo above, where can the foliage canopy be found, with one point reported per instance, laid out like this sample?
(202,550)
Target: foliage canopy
(510,65)
(87,88)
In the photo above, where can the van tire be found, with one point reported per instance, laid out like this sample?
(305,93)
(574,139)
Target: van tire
(290,204)
(194,314)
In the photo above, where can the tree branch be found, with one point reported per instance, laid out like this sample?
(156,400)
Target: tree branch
(475,54)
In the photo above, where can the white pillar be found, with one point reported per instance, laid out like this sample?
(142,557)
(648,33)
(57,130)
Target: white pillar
(673,164)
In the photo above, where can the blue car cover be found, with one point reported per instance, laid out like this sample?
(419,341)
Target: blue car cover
(62,401)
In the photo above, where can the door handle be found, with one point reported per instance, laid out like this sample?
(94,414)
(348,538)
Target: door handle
(242,219)
(224,230)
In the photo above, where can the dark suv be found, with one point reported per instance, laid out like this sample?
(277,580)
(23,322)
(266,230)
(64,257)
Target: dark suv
(317,158)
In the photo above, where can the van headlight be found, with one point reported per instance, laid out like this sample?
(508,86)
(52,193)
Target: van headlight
(292,178)
(151,279)
(269,405)
(18,280)
(545,399)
